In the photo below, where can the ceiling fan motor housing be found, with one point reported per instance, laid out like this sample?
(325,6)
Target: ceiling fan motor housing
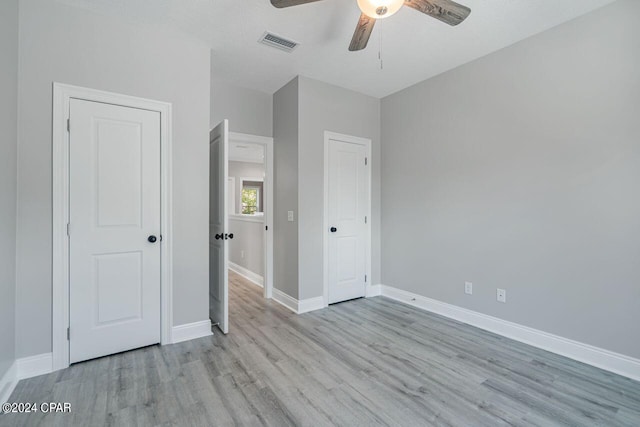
(378,9)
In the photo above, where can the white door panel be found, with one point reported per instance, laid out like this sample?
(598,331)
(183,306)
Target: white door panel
(118,274)
(218,227)
(114,206)
(347,209)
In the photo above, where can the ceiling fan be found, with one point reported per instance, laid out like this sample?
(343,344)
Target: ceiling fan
(446,11)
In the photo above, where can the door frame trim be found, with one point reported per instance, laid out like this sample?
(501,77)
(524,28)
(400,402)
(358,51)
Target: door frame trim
(267,142)
(62,95)
(366,142)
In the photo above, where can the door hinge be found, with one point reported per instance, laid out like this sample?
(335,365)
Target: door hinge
(68,334)
(365,219)
(266,227)
(68,228)
(365,278)
(365,161)
(68,125)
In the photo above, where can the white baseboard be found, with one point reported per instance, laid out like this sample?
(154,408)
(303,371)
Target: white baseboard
(373,291)
(285,300)
(254,278)
(8,383)
(310,304)
(22,369)
(33,366)
(298,306)
(191,331)
(591,355)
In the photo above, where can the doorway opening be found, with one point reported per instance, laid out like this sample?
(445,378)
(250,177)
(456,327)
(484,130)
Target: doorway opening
(241,224)
(247,169)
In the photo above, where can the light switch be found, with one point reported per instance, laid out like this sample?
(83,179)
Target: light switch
(290,216)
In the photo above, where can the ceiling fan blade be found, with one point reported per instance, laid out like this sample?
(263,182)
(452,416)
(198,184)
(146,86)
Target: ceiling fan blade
(446,11)
(288,3)
(362,33)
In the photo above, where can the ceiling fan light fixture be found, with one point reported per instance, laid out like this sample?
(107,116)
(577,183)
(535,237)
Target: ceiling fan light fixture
(379,9)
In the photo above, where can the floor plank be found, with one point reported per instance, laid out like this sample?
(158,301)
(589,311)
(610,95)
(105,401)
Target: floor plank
(361,363)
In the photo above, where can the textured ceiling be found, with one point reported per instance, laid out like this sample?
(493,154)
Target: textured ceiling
(413,46)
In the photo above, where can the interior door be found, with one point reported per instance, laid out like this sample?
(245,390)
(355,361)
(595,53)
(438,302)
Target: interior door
(218,227)
(347,210)
(114,229)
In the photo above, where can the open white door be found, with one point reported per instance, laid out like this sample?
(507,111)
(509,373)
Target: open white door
(218,227)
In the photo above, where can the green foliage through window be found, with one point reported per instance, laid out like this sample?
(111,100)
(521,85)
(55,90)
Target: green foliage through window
(249,200)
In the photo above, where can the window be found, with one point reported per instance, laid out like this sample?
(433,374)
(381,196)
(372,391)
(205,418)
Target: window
(251,197)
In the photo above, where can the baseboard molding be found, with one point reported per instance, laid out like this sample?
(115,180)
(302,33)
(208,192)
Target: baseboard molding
(191,331)
(32,366)
(254,278)
(373,291)
(285,300)
(298,306)
(8,383)
(585,353)
(310,304)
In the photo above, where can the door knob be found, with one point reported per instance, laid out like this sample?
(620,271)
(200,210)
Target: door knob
(333,229)
(219,236)
(152,239)
(228,236)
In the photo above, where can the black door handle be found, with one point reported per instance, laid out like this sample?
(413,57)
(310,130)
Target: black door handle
(228,236)
(152,239)
(333,229)
(219,236)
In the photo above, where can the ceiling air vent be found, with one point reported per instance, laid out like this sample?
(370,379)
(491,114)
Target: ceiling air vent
(278,42)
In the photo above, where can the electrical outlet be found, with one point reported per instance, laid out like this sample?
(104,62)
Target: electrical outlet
(468,288)
(501,295)
(290,216)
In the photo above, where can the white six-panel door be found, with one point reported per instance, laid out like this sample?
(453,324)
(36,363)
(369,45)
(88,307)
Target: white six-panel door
(219,226)
(347,211)
(114,229)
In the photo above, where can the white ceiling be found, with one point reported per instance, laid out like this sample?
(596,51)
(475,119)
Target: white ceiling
(246,152)
(414,46)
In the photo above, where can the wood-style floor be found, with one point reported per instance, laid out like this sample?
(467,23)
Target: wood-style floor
(360,363)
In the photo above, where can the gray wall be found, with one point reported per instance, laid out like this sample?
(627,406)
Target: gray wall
(67,45)
(8,159)
(324,107)
(249,111)
(285,165)
(248,236)
(521,171)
